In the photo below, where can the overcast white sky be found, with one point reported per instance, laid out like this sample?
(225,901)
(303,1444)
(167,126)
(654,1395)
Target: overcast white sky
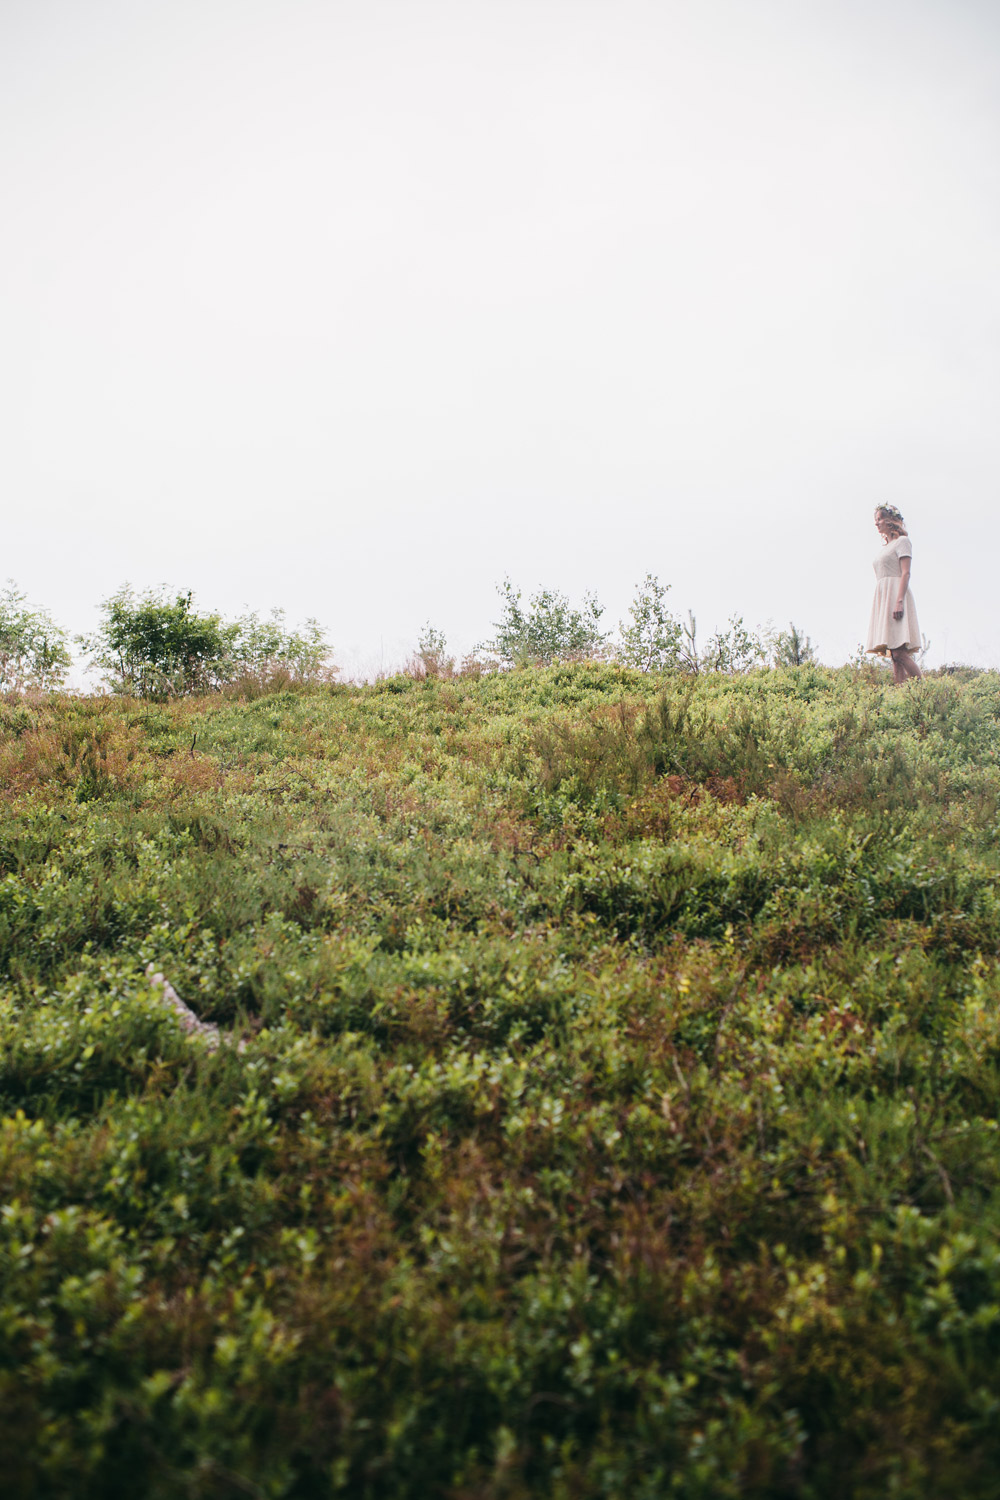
(355,306)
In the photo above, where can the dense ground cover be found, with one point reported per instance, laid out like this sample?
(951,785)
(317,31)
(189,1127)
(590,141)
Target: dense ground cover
(618,1114)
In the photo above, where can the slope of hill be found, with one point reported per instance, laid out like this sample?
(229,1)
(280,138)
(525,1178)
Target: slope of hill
(618,1107)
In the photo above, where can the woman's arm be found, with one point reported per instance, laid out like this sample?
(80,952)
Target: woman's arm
(904,583)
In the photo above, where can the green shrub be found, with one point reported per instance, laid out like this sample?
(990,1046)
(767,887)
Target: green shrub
(549,630)
(791,648)
(150,645)
(652,640)
(735,649)
(34,651)
(263,648)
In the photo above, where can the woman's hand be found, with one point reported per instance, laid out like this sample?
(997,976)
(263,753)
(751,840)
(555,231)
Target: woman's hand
(897,613)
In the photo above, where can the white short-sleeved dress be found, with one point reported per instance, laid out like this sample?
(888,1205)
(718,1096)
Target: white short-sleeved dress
(884,633)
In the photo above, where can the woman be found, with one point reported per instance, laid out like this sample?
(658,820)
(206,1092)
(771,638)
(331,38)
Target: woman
(893,627)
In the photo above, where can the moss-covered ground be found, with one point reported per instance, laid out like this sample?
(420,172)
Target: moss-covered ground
(617,1116)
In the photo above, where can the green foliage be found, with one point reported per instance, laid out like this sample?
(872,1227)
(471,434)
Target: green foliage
(34,651)
(791,648)
(150,645)
(432,659)
(618,1109)
(549,630)
(652,640)
(263,647)
(735,649)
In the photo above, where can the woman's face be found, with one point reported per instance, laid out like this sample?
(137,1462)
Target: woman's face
(884,528)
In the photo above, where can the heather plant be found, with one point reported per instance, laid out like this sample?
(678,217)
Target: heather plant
(617,1113)
(34,650)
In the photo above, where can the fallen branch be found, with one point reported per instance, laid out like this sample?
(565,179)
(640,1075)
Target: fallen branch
(189,1022)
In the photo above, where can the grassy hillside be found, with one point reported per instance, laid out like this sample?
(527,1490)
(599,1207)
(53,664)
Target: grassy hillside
(617,1116)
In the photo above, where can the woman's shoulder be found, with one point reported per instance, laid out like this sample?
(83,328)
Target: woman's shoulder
(903,546)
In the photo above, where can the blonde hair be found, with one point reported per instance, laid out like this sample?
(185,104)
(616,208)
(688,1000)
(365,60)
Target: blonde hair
(892,518)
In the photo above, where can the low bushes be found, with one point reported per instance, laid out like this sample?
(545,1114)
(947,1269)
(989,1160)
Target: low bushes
(149,645)
(618,1107)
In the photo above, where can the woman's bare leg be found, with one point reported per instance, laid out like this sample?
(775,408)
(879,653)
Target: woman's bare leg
(904,666)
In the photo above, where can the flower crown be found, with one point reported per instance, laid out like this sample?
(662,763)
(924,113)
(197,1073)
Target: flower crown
(891,511)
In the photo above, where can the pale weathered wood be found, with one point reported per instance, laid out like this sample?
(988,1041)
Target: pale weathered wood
(189,1022)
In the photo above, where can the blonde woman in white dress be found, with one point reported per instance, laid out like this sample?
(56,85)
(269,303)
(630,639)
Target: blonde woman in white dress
(893,629)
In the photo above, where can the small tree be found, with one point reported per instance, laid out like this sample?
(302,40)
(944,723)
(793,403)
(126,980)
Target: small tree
(432,659)
(152,646)
(263,645)
(652,640)
(34,650)
(734,650)
(690,660)
(549,630)
(790,648)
